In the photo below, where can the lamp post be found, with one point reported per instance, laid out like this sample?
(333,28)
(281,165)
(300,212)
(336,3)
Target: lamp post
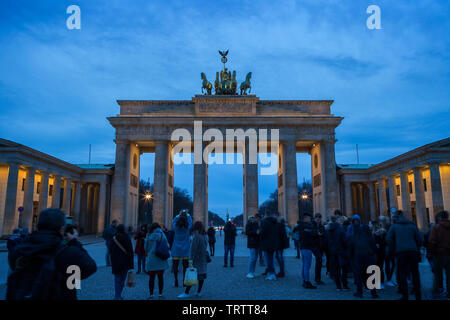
(148,197)
(304,196)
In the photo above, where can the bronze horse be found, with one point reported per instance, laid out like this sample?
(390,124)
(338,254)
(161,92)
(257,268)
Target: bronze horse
(246,84)
(206,84)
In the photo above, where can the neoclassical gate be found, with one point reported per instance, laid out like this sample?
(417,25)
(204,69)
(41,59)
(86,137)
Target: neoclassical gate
(148,126)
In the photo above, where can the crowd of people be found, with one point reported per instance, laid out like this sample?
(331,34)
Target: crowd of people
(38,262)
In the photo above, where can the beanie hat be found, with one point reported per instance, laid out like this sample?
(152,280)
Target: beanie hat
(51,219)
(356,217)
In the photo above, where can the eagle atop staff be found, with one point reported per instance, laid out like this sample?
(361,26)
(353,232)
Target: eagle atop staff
(223,54)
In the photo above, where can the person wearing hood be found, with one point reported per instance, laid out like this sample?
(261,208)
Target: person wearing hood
(229,242)
(405,240)
(252,232)
(27,259)
(122,259)
(439,244)
(308,236)
(182,225)
(335,244)
(270,242)
(362,249)
(155,266)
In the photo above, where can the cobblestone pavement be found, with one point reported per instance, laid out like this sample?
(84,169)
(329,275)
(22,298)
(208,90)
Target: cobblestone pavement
(231,283)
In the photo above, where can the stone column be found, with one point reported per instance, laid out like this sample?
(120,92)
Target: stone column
(11,199)
(120,191)
(330,189)
(27,218)
(392,195)
(66,196)
(422,222)
(83,210)
(43,191)
(372,201)
(160,186)
(348,199)
(56,191)
(404,189)
(89,208)
(291,185)
(101,208)
(95,212)
(436,188)
(382,197)
(77,203)
(360,199)
(250,185)
(200,192)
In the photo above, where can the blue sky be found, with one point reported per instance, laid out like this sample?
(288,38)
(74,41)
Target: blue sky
(57,86)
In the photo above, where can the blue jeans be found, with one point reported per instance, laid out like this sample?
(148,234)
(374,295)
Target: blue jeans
(306,263)
(280,259)
(252,261)
(141,262)
(119,283)
(269,262)
(230,249)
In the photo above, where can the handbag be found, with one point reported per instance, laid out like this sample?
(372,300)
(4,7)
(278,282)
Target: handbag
(190,278)
(130,279)
(162,249)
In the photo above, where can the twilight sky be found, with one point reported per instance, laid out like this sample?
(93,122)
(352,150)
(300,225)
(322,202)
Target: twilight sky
(57,86)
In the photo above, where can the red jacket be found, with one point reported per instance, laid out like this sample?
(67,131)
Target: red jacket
(140,240)
(439,240)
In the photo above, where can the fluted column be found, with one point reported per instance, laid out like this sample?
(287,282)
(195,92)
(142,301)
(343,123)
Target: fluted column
(422,222)
(200,192)
(372,201)
(101,208)
(56,191)
(66,196)
(382,197)
(77,203)
(11,199)
(28,198)
(330,189)
(43,191)
(83,210)
(436,188)
(392,195)
(160,186)
(95,212)
(120,191)
(348,199)
(291,185)
(404,189)
(250,185)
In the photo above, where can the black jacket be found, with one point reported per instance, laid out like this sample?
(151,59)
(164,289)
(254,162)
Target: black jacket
(45,243)
(211,235)
(230,235)
(308,236)
(270,234)
(121,261)
(361,242)
(335,241)
(284,239)
(251,229)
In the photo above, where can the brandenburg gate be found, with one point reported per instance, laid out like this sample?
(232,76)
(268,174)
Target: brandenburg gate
(144,126)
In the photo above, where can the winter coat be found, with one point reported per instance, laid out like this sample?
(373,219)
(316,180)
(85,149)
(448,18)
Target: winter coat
(270,234)
(403,236)
(251,230)
(211,235)
(45,243)
(230,235)
(199,253)
(308,236)
(181,240)
(319,241)
(439,241)
(335,240)
(121,261)
(361,243)
(284,237)
(152,262)
(140,240)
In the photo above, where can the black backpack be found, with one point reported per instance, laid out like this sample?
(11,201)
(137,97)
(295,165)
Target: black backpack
(35,278)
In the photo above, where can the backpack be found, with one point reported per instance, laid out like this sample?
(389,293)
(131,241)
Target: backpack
(162,249)
(35,278)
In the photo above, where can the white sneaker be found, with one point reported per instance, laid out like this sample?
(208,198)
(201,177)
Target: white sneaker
(160,296)
(183,295)
(250,275)
(271,277)
(198,294)
(152,296)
